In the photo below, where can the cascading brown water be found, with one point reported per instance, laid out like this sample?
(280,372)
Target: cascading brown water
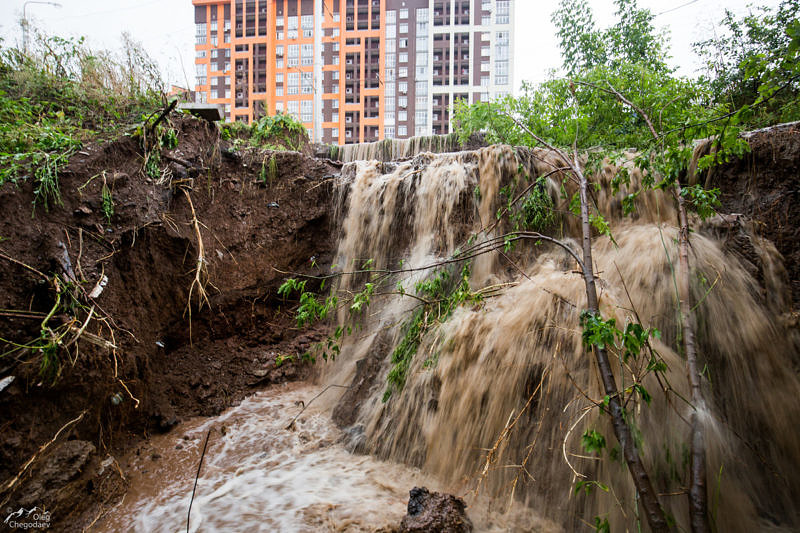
(497,398)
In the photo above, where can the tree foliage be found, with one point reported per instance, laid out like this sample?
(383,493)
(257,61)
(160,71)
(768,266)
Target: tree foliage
(755,58)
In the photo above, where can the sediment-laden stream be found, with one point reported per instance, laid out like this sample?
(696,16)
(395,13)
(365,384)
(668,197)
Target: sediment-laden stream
(259,476)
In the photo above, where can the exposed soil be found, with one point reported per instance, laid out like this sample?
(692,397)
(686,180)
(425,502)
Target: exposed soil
(176,360)
(765,187)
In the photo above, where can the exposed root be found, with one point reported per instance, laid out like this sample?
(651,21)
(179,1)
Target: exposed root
(10,485)
(200,281)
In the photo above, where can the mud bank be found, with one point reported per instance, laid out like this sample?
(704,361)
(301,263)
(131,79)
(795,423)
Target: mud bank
(151,353)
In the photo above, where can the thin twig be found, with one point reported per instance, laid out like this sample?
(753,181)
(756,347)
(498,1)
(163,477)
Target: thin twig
(305,406)
(196,477)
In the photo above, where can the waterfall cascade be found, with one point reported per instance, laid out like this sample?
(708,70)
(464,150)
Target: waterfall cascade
(498,396)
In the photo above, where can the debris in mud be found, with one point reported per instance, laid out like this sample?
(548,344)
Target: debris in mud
(435,513)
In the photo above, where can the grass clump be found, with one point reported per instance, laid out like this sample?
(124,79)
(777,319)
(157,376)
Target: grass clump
(59,96)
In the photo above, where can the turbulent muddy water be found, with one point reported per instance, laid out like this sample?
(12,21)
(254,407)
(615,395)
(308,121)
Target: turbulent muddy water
(259,476)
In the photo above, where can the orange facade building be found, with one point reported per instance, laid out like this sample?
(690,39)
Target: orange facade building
(350,70)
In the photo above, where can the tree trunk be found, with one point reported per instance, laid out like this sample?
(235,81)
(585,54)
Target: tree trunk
(698,497)
(652,507)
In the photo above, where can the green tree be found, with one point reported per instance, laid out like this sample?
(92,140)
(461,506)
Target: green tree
(755,61)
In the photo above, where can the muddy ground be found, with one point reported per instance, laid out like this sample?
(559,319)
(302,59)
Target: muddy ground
(165,366)
(256,228)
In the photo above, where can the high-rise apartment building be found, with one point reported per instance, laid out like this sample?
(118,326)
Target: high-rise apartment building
(353,70)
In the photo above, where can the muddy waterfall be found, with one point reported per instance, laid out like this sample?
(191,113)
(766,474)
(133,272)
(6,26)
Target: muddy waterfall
(497,398)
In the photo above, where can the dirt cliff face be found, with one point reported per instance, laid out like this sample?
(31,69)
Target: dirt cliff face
(764,186)
(151,353)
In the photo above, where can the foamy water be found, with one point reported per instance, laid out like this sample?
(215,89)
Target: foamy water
(259,476)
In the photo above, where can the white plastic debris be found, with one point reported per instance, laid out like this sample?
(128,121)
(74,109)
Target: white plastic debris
(5,382)
(98,289)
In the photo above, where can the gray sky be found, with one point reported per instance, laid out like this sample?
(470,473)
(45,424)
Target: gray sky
(166,29)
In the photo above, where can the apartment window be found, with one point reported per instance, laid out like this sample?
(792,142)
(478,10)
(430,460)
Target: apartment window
(308,34)
(307,111)
(201,80)
(279,51)
(388,117)
(422,72)
(402,102)
(307,54)
(294,55)
(294,107)
(279,107)
(422,101)
(501,68)
(403,43)
(501,52)
(335,117)
(200,54)
(279,62)
(390,88)
(402,131)
(422,87)
(390,60)
(389,75)
(307,22)
(391,46)
(403,87)
(484,67)
(201,33)
(403,28)
(484,97)
(421,117)
(403,14)
(422,14)
(201,69)
(279,77)
(486,20)
(335,132)
(402,116)
(391,31)
(503,11)
(422,43)
(391,17)
(485,50)
(403,57)
(402,72)
(292,23)
(307,82)
(388,132)
(389,105)
(279,91)
(335,74)
(279,35)
(294,82)
(422,58)
(484,81)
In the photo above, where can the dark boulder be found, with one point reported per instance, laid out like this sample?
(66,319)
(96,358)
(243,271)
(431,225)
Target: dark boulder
(433,512)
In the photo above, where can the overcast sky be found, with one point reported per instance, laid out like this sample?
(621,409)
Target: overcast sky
(166,29)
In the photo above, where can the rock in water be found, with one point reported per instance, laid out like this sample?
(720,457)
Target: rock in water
(435,513)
